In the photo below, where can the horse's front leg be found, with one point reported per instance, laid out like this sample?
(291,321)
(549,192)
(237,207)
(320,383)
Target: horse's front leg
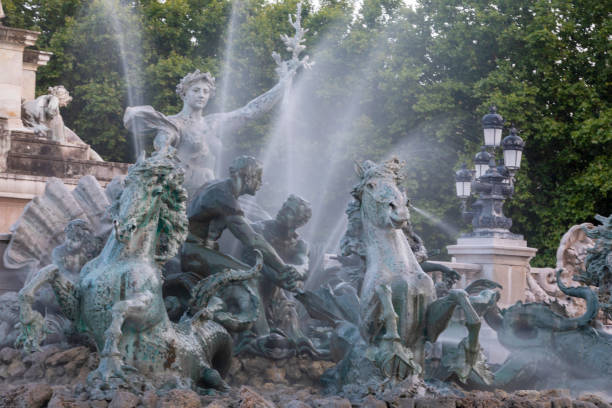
(472,323)
(389,316)
(394,359)
(111,363)
(32,323)
(439,314)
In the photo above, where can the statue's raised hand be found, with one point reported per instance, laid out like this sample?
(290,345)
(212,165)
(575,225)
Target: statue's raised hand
(286,70)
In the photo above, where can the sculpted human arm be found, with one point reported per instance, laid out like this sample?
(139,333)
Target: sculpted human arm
(236,119)
(243,231)
(300,259)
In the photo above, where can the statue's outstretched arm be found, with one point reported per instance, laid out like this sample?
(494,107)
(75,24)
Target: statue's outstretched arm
(236,119)
(286,70)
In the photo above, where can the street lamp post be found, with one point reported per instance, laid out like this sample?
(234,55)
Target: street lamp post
(492,126)
(492,183)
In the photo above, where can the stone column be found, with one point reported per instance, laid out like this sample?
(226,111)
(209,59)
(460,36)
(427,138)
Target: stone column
(503,260)
(5,143)
(32,59)
(12,43)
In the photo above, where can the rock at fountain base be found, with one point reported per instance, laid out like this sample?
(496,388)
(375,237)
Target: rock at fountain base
(61,383)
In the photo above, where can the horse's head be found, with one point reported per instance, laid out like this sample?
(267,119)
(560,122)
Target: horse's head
(138,203)
(152,202)
(382,202)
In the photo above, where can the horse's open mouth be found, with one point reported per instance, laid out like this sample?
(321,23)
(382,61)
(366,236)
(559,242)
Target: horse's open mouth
(121,238)
(398,223)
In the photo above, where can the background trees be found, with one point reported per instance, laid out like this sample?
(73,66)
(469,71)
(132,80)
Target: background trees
(428,75)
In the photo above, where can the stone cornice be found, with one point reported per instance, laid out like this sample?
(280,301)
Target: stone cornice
(25,38)
(35,57)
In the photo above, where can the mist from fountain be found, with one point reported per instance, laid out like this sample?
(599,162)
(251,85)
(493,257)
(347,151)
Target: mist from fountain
(450,230)
(278,153)
(121,19)
(309,151)
(223,93)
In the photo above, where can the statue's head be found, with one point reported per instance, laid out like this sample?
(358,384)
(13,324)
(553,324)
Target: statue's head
(61,94)
(382,202)
(294,213)
(196,88)
(78,232)
(248,170)
(153,201)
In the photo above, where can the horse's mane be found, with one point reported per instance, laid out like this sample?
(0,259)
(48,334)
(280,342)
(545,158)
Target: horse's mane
(162,172)
(351,242)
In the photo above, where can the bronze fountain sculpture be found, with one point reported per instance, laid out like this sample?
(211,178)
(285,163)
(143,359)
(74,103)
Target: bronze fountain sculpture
(178,330)
(117,298)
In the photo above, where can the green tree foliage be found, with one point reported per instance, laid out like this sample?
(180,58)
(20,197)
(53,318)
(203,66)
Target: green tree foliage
(180,36)
(414,82)
(546,65)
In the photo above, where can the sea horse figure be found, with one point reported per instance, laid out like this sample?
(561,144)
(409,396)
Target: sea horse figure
(118,296)
(398,306)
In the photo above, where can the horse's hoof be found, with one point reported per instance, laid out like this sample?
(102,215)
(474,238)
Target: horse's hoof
(211,379)
(396,368)
(391,337)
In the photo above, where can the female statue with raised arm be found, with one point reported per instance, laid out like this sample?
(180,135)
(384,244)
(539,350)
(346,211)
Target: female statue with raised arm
(196,136)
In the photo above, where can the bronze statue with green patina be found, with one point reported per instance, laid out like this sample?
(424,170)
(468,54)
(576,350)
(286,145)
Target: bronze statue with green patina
(276,333)
(117,297)
(549,349)
(399,309)
(214,209)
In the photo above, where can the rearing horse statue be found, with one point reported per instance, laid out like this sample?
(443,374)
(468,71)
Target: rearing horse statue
(118,296)
(399,309)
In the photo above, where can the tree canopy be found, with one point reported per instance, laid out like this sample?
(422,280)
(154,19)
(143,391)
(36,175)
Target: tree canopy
(419,77)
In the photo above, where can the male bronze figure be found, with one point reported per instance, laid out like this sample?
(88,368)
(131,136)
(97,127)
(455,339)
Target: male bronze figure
(214,209)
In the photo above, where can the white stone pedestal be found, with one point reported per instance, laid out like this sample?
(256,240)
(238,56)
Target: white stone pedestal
(503,260)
